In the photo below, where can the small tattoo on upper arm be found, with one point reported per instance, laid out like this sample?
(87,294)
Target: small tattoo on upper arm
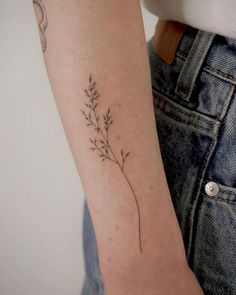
(101,143)
(42,23)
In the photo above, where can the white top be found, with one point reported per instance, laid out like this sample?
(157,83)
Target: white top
(217,16)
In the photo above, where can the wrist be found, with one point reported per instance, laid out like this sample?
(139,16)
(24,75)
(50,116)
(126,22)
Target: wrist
(178,280)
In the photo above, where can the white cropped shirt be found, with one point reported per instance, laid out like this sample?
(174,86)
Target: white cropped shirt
(217,16)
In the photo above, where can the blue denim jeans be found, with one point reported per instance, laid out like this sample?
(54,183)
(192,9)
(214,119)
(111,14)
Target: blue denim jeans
(195,106)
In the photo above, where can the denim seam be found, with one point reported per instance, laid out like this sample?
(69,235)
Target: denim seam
(218,199)
(220,74)
(212,131)
(187,123)
(213,71)
(195,202)
(229,192)
(221,113)
(199,117)
(228,98)
(181,54)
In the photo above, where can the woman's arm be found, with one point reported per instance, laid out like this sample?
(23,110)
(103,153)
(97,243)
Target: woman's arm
(96,59)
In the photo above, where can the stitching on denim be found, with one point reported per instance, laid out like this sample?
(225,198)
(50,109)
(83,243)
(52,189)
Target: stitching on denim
(199,182)
(158,95)
(162,97)
(188,123)
(181,54)
(211,70)
(216,71)
(219,199)
(229,192)
(228,94)
(178,118)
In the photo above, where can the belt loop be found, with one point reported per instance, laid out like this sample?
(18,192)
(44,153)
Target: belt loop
(193,63)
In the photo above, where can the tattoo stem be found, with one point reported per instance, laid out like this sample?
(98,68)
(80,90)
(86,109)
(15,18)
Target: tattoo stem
(134,195)
(91,92)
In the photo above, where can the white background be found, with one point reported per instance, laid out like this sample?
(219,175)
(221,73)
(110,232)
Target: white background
(41,196)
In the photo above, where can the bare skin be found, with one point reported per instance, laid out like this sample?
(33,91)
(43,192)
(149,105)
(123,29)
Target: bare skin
(97,63)
(102,144)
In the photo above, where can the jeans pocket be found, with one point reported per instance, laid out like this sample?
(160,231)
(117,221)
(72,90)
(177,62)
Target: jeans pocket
(186,139)
(183,116)
(213,256)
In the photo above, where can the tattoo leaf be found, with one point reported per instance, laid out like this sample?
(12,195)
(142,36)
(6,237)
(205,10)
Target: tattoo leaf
(100,142)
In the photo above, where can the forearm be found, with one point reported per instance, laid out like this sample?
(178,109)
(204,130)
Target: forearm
(96,59)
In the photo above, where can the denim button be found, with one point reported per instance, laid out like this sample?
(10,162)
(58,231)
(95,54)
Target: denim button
(211,188)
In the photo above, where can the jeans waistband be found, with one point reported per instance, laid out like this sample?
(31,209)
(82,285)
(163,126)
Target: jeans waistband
(201,49)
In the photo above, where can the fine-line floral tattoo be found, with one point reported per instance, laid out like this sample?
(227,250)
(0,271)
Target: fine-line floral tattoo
(43,23)
(101,142)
